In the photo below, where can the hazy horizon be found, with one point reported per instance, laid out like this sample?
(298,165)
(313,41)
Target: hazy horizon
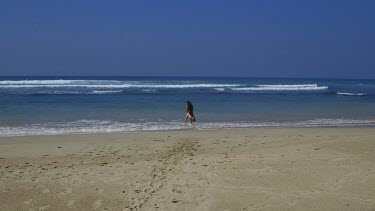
(183,76)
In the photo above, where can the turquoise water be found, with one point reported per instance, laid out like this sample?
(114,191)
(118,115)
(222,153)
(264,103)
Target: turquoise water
(65,105)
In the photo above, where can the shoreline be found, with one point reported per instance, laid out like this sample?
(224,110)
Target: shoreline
(231,169)
(198,129)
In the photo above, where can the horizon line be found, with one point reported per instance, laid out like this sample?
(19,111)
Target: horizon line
(194,76)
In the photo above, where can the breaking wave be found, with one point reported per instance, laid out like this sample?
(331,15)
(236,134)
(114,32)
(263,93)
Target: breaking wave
(220,89)
(282,87)
(350,94)
(112,86)
(102,126)
(105,84)
(106,91)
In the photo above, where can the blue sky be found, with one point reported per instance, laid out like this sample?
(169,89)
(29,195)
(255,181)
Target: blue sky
(291,38)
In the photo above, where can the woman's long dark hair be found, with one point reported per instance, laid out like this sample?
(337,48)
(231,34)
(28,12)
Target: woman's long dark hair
(190,106)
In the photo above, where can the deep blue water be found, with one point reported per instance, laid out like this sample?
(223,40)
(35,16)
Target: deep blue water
(60,105)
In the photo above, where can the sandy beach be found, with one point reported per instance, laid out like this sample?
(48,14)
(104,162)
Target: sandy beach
(231,169)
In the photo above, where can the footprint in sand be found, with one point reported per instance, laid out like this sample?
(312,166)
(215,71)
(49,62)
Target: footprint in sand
(28,201)
(97,204)
(67,191)
(44,207)
(70,203)
(100,190)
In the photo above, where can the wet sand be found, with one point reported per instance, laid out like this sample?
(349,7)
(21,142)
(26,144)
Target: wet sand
(231,169)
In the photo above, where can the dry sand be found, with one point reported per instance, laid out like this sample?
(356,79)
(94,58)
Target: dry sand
(233,169)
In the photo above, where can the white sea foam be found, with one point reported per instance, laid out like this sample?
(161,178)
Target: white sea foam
(115,84)
(106,91)
(160,86)
(308,123)
(100,126)
(63,92)
(282,87)
(86,127)
(51,82)
(149,90)
(60,92)
(350,94)
(288,85)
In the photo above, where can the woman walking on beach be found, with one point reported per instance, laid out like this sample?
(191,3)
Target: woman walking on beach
(189,112)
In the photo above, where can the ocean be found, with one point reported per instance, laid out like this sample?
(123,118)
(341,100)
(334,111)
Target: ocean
(82,105)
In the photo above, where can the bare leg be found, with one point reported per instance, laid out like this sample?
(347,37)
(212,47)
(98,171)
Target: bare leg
(186,118)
